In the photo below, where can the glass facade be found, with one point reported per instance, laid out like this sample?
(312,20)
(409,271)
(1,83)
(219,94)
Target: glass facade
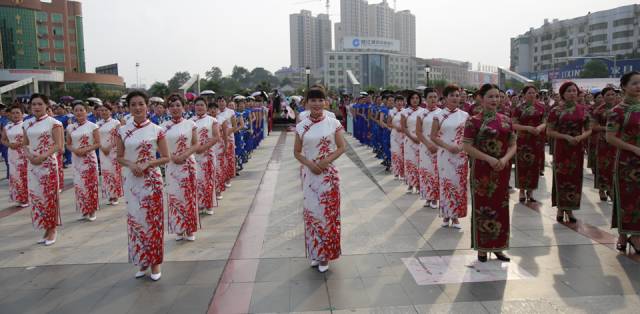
(17,32)
(373,71)
(56,17)
(58,57)
(80,44)
(58,44)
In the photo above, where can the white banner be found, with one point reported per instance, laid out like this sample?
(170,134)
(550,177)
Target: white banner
(371,43)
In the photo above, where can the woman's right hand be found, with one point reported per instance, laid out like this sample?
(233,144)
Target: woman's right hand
(315,169)
(454,149)
(572,140)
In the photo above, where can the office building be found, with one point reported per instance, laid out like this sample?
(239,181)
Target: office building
(608,33)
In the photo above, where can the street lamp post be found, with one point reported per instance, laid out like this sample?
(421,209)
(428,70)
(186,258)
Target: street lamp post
(307,71)
(427,70)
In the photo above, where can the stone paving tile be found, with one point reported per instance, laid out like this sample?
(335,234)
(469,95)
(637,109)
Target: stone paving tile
(309,295)
(454,308)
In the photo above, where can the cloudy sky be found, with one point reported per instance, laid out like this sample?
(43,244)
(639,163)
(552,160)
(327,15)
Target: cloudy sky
(166,36)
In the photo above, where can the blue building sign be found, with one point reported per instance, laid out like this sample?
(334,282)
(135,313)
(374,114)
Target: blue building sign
(573,69)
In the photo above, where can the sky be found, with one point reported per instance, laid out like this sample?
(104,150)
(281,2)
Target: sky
(167,36)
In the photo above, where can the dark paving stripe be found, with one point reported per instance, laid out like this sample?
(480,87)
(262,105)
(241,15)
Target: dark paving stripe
(351,153)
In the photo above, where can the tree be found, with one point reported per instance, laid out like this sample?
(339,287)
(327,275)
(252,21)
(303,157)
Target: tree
(286,81)
(239,73)
(178,80)
(159,89)
(594,69)
(215,74)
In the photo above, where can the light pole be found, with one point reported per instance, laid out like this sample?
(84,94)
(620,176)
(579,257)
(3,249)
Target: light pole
(307,71)
(137,74)
(427,70)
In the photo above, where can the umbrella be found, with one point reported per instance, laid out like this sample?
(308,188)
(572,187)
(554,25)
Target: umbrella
(66,98)
(190,96)
(156,99)
(94,100)
(207,92)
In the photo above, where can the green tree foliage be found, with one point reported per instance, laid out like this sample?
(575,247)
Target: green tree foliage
(159,89)
(178,80)
(594,69)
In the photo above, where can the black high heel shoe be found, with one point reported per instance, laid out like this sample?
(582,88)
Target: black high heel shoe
(522,198)
(530,197)
(560,218)
(482,258)
(572,219)
(622,247)
(502,257)
(603,196)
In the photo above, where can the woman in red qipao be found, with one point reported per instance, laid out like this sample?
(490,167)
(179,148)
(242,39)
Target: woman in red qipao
(593,139)
(569,125)
(490,140)
(623,132)
(319,142)
(83,138)
(605,153)
(42,140)
(182,142)
(137,146)
(529,121)
(13,137)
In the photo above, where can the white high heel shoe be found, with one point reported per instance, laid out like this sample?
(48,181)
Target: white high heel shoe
(156,277)
(323,269)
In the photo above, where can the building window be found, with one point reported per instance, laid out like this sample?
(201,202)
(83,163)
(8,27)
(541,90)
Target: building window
(42,17)
(58,31)
(44,57)
(58,44)
(339,57)
(581,51)
(348,57)
(546,47)
(58,57)
(560,44)
(622,46)
(331,57)
(560,54)
(545,57)
(601,37)
(43,30)
(43,43)
(620,22)
(56,17)
(598,26)
(332,72)
(598,49)
(623,34)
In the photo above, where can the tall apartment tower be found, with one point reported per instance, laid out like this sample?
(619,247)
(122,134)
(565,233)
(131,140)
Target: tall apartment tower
(405,32)
(381,20)
(310,38)
(354,20)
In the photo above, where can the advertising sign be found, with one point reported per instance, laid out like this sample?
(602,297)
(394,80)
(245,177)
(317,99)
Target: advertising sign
(371,43)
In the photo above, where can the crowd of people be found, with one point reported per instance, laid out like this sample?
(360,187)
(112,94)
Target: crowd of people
(151,151)
(436,142)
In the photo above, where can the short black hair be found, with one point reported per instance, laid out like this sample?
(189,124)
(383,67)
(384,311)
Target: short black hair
(450,89)
(624,80)
(44,98)
(137,93)
(484,89)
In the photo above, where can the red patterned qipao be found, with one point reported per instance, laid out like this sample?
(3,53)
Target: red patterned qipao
(230,153)
(182,211)
(605,153)
(453,169)
(143,194)
(18,164)
(206,163)
(429,189)
(592,143)
(411,149)
(59,157)
(397,145)
(321,192)
(85,168)
(110,169)
(568,160)
(42,180)
(624,120)
(491,133)
(530,146)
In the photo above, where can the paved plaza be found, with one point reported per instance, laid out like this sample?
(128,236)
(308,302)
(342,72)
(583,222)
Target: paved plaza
(249,257)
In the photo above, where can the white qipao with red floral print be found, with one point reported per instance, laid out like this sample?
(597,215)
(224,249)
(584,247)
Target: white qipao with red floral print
(18,191)
(182,208)
(221,152)
(428,170)
(143,194)
(85,168)
(411,148)
(206,168)
(230,153)
(453,169)
(42,179)
(321,192)
(109,167)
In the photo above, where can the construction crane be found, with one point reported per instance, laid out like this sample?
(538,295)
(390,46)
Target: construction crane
(327,4)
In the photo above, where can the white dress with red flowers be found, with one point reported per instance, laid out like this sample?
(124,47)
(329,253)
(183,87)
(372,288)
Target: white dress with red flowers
(321,192)
(206,163)
(143,194)
(221,154)
(428,170)
(453,169)
(230,153)
(411,149)
(397,144)
(110,169)
(42,179)
(182,211)
(85,168)
(18,163)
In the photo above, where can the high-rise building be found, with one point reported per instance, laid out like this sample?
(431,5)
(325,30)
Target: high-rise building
(354,17)
(613,32)
(42,35)
(405,32)
(310,38)
(381,20)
